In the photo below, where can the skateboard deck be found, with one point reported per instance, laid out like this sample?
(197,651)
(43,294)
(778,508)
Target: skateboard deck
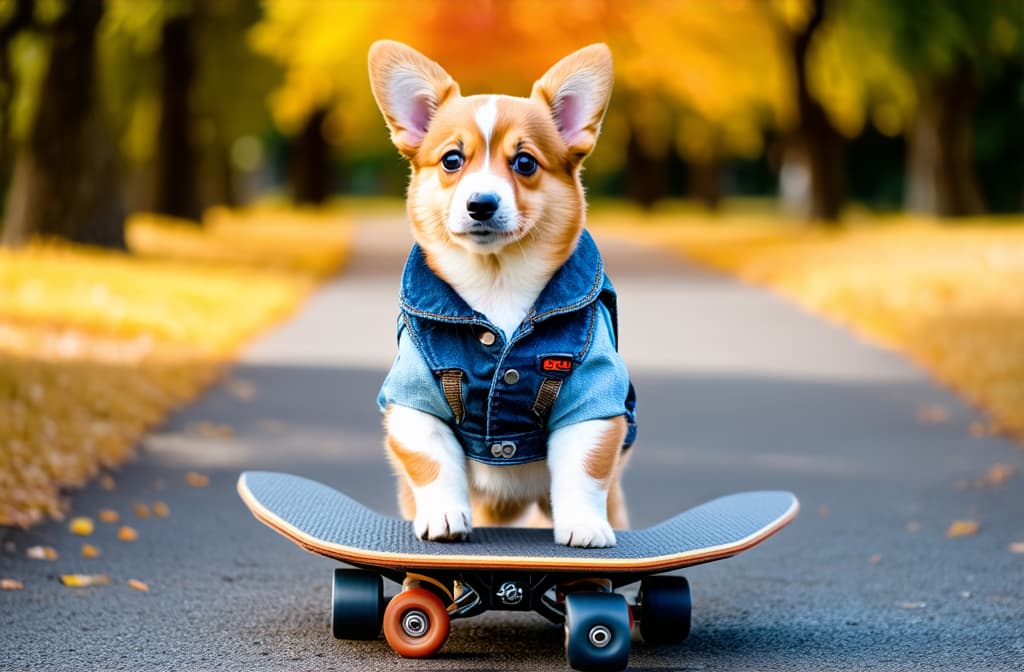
(514,569)
(325,521)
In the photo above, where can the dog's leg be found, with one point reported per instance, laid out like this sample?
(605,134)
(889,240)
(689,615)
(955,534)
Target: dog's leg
(426,454)
(583,459)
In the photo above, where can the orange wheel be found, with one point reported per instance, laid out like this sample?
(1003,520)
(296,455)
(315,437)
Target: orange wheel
(416,623)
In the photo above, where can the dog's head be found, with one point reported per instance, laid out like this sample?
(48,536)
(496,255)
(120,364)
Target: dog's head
(493,172)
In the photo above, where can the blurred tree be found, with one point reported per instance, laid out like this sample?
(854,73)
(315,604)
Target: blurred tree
(811,176)
(66,174)
(688,87)
(185,87)
(175,171)
(950,49)
(15,17)
(917,69)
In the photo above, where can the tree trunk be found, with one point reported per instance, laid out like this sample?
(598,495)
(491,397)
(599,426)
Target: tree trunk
(940,167)
(65,180)
(308,165)
(646,175)
(20,18)
(813,161)
(176,191)
(704,182)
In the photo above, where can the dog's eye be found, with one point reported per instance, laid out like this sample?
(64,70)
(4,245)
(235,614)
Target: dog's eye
(524,164)
(452,161)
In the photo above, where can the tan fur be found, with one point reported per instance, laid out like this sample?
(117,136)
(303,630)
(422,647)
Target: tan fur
(618,514)
(488,511)
(419,468)
(602,459)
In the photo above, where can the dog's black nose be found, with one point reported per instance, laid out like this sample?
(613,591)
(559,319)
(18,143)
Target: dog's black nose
(482,206)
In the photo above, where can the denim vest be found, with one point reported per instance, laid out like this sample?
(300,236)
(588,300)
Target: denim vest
(501,391)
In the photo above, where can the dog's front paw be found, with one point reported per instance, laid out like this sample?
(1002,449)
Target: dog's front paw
(443,524)
(592,533)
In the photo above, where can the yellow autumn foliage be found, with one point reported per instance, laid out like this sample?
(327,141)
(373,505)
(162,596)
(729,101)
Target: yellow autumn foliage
(947,295)
(96,346)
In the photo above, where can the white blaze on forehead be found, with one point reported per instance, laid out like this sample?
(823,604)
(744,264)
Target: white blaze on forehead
(485,117)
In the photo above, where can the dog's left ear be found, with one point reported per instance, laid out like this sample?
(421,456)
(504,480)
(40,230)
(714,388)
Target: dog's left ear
(577,89)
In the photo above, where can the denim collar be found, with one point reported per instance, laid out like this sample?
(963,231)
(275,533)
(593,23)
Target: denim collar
(576,284)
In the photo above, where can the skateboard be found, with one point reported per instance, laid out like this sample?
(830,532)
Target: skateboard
(513,569)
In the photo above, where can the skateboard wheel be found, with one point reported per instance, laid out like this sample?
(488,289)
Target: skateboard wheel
(664,609)
(416,623)
(357,604)
(597,631)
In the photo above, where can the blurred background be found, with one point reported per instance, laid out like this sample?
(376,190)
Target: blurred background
(171,106)
(177,175)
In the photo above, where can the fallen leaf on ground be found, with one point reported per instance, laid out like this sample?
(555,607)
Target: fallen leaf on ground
(90,551)
(911,605)
(11,584)
(962,528)
(197,480)
(998,474)
(213,430)
(41,552)
(84,580)
(127,533)
(82,526)
(161,509)
(932,413)
(107,482)
(141,510)
(109,516)
(135,584)
(242,390)
(1017,547)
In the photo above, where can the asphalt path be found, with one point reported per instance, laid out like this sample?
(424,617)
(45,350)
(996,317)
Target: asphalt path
(738,390)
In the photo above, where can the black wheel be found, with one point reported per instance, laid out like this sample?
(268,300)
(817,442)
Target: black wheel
(357,604)
(664,603)
(597,631)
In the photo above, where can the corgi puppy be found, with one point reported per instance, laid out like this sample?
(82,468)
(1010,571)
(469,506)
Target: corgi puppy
(508,390)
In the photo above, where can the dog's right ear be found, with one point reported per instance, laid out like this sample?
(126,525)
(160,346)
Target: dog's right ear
(408,88)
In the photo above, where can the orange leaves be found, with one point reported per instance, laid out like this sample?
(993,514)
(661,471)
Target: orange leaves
(109,516)
(135,584)
(84,580)
(161,510)
(962,528)
(11,584)
(41,553)
(949,297)
(107,342)
(81,526)
(126,533)
(197,480)
(90,551)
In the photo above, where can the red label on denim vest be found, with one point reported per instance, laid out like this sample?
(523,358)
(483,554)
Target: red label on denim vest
(563,364)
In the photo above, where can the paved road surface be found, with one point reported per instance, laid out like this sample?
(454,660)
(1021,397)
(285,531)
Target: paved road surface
(738,390)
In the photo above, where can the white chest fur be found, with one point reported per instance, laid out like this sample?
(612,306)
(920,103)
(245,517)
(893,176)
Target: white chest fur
(504,291)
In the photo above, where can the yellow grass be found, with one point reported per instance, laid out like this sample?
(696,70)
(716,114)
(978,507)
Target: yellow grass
(96,347)
(949,295)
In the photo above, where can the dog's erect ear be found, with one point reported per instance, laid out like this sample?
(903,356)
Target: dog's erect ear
(408,88)
(577,89)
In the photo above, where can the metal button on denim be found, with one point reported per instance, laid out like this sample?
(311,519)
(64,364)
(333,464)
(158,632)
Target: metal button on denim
(503,449)
(487,337)
(511,376)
